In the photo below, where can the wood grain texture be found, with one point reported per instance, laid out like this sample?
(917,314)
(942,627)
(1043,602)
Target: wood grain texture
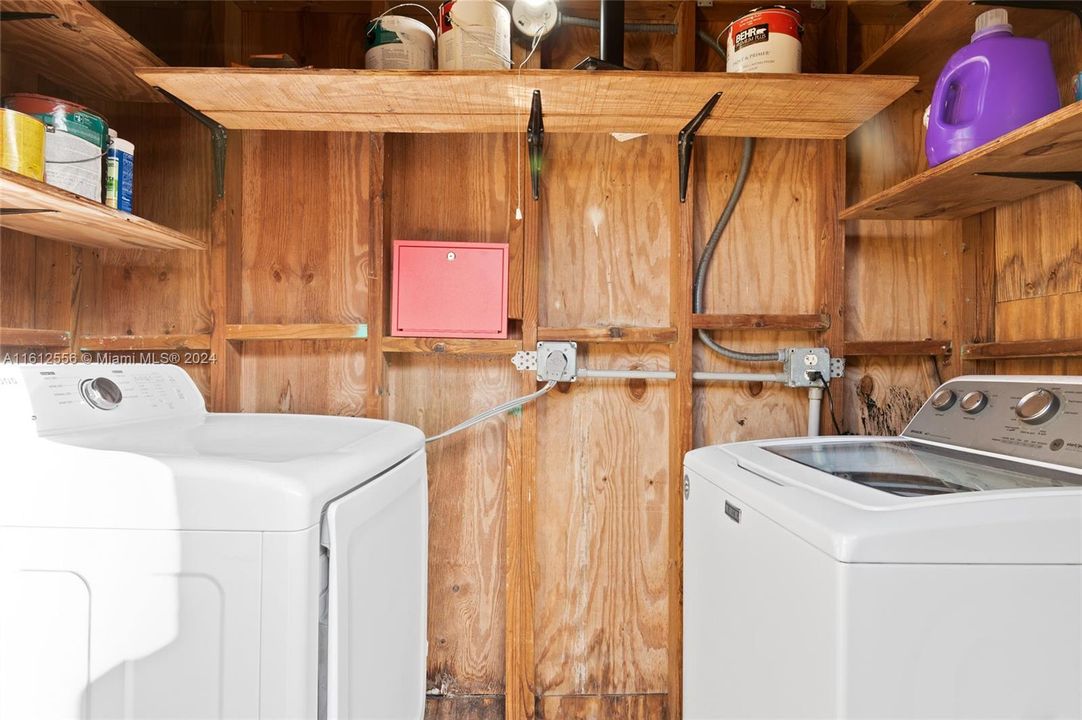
(311,331)
(885,348)
(304,248)
(760,321)
(601,624)
(450,346)
(1054,347)
(955,190)
(612,334)
(606,707)
(325,377)
(142,342)
(60,215)
(466,707)
(80,48)
(923,46)
(1041,248)
(466,510)
(885,393)
(796,106)
(31,337)
(605,229)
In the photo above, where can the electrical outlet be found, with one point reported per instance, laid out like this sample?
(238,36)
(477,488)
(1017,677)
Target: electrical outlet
(801,362)
(547,361)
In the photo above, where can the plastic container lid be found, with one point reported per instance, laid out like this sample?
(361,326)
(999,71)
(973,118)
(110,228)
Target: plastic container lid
(992,21)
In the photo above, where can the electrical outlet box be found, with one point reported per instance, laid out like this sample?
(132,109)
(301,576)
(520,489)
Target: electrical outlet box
(547,349)
(799,362)
(452,290)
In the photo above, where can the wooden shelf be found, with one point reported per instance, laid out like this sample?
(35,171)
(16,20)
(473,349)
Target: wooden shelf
(954,190)
(615,334)
(923,46)
(80,49)
(125,343)
(414,101)
(33,337)
(33,207)
(321,331)
(889,348)
(811,322)
(1064,347)
(451,346)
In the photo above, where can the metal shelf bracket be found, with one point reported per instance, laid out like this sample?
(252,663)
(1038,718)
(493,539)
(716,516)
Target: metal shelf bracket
(1074,176)
(685,141)
(218,139)
(535,140)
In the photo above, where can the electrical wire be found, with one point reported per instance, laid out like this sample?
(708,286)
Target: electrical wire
(830,400)
(935,369)
(557,363)
(703,266)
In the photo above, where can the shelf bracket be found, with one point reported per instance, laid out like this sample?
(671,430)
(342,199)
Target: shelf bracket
(535,140)
(1071,6)
(1074,176)
(218,138)
(685,141)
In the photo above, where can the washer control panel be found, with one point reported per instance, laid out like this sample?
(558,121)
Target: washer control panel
(1032,418)
(57,398)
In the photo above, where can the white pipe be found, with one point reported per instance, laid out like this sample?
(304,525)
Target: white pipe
(627,374)
(739,377)
(815,408)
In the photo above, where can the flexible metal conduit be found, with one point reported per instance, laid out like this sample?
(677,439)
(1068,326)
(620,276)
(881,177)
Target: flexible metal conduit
(666,28)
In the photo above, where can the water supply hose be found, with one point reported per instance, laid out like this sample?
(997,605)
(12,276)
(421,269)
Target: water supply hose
(703,266)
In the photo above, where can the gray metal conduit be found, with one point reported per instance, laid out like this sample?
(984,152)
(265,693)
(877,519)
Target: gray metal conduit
(667,28)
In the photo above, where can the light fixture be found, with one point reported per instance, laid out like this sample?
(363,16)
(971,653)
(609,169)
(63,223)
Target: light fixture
(535,18)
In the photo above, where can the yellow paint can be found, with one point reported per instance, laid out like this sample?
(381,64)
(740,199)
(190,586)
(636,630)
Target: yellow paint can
(23,147)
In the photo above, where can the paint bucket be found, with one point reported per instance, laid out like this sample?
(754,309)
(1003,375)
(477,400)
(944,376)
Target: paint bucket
(119,173)
(399,43)
(474,35)
(23,147)
(75,141)
(765,40)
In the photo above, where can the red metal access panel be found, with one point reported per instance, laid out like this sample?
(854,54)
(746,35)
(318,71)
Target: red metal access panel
(445,289)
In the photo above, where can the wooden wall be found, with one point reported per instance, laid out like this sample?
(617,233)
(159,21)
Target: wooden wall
(554,575)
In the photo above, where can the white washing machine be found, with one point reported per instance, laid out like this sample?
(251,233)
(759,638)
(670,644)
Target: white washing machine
(159,561)
(932,575)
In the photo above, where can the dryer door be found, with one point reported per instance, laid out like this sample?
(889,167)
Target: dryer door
(377,537)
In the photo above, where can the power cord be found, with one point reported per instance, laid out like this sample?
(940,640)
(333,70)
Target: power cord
(816,375)
(554,368)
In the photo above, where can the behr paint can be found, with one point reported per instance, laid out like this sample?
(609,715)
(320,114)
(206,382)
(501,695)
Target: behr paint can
(75,142)
(474,35)
(23,146)
(399,43)
(765,40)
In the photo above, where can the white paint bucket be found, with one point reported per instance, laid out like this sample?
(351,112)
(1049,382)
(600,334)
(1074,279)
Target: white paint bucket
(765,40)
(399,43)
(474,35)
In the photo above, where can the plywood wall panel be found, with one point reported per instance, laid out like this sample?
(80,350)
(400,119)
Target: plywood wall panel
(466,510)
(304,246)
(320,39)
(601,620)
(605,231)
(1040,247)
(319,377)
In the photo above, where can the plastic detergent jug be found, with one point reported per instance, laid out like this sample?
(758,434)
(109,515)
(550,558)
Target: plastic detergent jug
(995,84)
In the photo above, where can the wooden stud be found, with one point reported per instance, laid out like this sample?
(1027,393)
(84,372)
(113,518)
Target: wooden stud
(450,346)
(812,322)
(888,348)
(122,343)
(1054,347)
(375,365)
(830,270)
(33,337)
(614,334)
(310,331)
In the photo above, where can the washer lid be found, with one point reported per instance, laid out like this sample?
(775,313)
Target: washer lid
(896,501)
(199,472)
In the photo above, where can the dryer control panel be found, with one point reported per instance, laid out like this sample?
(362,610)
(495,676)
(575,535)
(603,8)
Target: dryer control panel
(1032,418)
(42,399)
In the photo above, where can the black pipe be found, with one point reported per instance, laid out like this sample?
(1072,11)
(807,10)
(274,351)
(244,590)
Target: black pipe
(612,31)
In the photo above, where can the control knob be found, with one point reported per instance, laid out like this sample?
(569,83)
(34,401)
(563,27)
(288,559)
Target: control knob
(1037,407)
(973,402)
(943,399)
(101,393)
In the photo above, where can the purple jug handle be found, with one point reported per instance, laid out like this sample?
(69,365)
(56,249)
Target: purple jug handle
(945,91)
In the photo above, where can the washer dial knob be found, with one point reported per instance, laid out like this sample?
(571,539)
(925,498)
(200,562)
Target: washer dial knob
(943,399)
(101,393)
(973,402)
(1037,407)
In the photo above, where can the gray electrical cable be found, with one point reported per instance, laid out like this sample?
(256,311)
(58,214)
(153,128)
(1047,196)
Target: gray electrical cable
(712,42)
(708,253)
(557,362)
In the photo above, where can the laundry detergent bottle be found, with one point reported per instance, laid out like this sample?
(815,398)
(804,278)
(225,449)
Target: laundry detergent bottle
(995,84)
